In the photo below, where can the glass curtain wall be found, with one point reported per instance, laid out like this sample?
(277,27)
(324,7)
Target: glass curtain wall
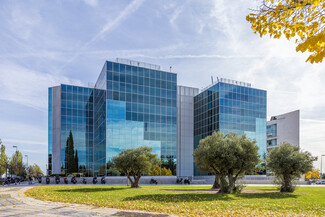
(77,117)
(231,108)
(141,110)
(99,150)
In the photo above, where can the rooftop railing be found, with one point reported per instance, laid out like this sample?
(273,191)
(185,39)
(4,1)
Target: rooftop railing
(136,63)
(227,81)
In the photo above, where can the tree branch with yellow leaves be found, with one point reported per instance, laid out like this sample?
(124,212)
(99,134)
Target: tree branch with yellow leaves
(301,20)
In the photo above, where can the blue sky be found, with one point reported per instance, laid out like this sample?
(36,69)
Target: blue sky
(45,43)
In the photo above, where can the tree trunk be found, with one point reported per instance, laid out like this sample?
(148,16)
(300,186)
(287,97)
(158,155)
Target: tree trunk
(224,185)
(136,181)
(131,181)
(287,185)
(216,183)
(232,183)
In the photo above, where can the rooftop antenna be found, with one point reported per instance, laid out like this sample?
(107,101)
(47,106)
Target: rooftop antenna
(212,79)
(170,68)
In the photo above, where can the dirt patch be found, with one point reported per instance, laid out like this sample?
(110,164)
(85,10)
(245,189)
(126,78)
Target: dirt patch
(259,191)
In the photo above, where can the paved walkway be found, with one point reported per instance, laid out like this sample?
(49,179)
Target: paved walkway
(13,202)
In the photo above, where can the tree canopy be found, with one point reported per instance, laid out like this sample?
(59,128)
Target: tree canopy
(314,174)
(302,20)
(228,157)
(288,163)
(157,171)
(16,165)
(4,163)
(35,171)
(135,161)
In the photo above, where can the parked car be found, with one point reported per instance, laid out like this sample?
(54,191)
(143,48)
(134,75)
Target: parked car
(321,182)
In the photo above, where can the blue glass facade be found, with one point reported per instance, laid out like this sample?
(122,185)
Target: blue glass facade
(130,106)
(271,131)
(77,117)
(230,108)
(140,110)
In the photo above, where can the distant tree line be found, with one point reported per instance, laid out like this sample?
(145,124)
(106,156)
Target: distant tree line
(15,166)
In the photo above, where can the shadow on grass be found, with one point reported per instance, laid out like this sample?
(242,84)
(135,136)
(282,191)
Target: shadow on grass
(180,197)
(85,190)
(191,190)
(192,197)
(268,195)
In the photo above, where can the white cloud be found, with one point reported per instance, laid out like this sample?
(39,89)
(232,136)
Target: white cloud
(28,87)
(108,27)
(92,3)
(313,137)
(22,23)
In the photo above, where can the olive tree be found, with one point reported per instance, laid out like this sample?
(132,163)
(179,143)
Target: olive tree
(228,157)
(205,156)
(134,162)
(288,163)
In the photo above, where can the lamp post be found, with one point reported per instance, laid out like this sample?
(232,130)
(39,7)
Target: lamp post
(27,159)
(321,164)
(14,146)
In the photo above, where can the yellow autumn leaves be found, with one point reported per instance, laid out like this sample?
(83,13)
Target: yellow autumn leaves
(300,20)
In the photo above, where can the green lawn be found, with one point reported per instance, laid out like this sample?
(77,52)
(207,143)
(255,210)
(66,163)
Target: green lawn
(192,200)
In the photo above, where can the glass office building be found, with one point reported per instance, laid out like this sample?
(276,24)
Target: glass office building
(73,112)
(132,104)
(230,106)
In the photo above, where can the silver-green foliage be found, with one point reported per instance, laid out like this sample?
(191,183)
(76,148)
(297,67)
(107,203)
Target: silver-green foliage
(228,157)
(288,163)
(134,162)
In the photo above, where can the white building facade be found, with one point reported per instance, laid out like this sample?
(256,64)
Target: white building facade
(283,128)
(185,129)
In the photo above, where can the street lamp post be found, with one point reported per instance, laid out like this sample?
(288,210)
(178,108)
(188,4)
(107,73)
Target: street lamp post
(14,146)
(321,164)
(27,159)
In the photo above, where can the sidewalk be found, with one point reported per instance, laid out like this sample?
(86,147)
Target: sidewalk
(13,202)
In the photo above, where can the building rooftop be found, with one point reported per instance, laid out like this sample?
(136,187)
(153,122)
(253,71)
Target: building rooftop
(227,81)
(137,63)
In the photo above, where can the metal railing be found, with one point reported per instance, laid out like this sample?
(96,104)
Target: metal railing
(227,81)
(136,63)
